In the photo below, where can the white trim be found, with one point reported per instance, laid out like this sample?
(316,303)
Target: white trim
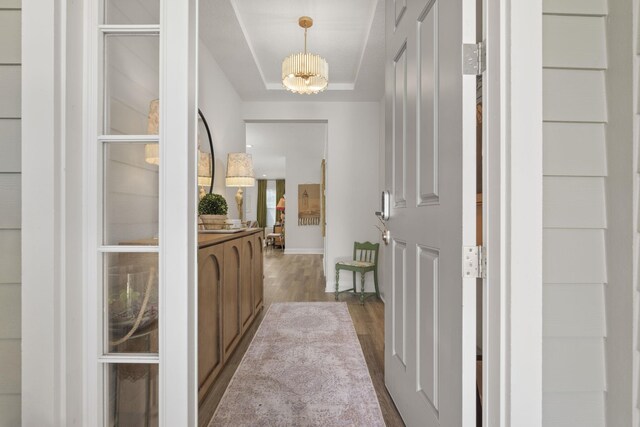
(524,217)
(303,251)
(42,346)
(493,369)
(469,212)
(92,369)
(128,249)
(512,209)
(129,138)
(129,29)
(178,398)
(141,358)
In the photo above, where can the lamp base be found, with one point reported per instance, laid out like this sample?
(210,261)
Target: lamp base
(239,196)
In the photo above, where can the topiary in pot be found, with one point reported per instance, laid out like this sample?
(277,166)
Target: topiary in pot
(213,211)
(212,204)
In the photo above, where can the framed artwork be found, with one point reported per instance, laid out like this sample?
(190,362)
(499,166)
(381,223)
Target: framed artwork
(309,204)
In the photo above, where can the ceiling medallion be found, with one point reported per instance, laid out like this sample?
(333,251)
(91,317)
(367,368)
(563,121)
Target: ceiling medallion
(305,72)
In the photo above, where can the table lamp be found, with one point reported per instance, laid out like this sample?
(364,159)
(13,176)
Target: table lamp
(204,172)
(240,174)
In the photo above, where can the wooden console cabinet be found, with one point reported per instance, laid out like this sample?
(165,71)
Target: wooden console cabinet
(230,295)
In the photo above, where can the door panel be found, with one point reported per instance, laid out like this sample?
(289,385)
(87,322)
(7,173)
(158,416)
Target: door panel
(231,326)
(398,290)
(427,132)
(258,286)
(399,126)
(210,262)
(427,320)
(246,279)
(400,8)
(430,169)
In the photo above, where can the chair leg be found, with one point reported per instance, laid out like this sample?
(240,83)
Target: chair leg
(375,281)
(362,288)
(354,281)
(337,281)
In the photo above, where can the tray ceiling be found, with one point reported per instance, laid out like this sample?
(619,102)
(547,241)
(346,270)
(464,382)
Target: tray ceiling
(250,38)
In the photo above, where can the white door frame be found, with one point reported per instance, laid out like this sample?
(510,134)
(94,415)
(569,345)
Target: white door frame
(513,220)
(512,213)
(178,391)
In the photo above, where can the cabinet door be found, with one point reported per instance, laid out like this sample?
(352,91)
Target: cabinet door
(210,262)
(258,274)
(231,326)
(246,280)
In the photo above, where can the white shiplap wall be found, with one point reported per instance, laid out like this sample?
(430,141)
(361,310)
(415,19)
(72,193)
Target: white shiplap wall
(575,220)
(10,69)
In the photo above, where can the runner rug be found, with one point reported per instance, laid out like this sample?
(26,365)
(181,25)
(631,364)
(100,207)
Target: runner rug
(304,367)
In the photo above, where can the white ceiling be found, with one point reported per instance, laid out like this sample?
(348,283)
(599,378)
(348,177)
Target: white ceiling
(250,38)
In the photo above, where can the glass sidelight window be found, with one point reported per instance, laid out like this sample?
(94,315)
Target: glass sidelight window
(131,12)
(131,74)
(130,194)
(127,193)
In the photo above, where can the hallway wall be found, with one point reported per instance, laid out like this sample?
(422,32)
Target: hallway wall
(574,213)
(222,108)
(10,213)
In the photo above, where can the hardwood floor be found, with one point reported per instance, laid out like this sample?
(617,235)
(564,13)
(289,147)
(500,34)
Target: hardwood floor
(300,278)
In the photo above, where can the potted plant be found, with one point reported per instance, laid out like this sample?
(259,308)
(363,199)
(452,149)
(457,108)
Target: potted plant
(213,211)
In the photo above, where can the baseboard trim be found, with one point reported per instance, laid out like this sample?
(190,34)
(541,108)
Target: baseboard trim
(304,251)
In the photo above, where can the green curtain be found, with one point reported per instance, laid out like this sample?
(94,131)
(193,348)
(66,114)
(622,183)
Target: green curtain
(262,203)
(279,194)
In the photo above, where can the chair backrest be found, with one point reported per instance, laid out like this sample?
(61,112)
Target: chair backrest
(277,228)
(366,251)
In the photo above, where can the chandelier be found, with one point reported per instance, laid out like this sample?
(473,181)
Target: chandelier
(305,72)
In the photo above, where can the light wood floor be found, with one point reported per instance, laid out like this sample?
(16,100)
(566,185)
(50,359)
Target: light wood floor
(299,278)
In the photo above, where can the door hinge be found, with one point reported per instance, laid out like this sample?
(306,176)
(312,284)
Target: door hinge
(474,262)
(474,59)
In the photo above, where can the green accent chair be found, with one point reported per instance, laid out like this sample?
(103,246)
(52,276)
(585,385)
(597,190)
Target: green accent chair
(365,259)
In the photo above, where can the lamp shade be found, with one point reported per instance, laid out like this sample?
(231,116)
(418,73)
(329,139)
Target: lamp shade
(204,169)
(281,204)
(240,170)
(152,151)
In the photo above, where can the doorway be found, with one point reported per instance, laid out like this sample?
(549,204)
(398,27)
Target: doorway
(289,155)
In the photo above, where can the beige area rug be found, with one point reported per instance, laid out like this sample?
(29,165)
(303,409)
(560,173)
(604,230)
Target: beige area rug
(305,367)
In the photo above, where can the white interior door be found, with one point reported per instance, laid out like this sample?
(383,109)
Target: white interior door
(430,343)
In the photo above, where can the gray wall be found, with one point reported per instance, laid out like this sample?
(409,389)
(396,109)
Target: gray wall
(10,212)
(575,217)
